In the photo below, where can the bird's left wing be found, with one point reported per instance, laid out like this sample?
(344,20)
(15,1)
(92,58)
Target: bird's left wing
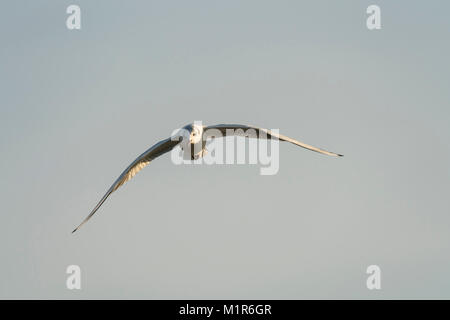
(155,151)
(261,132)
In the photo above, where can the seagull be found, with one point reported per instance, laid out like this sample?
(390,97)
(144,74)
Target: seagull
(193,136)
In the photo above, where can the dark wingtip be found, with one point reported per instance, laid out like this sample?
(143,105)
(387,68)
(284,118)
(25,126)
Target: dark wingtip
(340,155)
(74,230)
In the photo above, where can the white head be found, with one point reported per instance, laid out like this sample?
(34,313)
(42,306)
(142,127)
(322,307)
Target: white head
(196,133)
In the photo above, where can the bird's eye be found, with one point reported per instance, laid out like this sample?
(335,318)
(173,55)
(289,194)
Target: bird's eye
(194,134)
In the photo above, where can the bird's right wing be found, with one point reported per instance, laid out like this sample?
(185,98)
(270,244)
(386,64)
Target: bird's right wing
(155,151)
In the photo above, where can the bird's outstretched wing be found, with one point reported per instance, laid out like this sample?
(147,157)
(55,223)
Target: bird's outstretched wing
(260,132)
(155,151)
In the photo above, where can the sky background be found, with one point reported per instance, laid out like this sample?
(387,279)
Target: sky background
(76,107)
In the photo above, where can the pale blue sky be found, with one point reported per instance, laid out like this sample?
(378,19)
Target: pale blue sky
(78,106)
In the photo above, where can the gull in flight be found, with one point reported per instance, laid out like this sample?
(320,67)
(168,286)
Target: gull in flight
(193,137)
